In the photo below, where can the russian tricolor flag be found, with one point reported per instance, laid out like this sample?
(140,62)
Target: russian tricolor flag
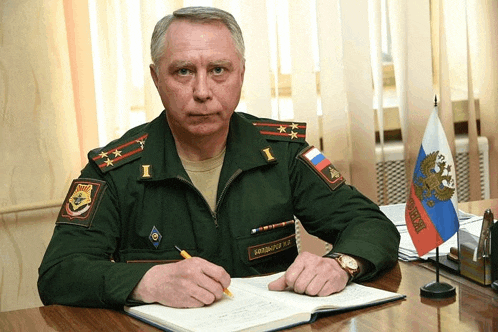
(431,211)
(317,159)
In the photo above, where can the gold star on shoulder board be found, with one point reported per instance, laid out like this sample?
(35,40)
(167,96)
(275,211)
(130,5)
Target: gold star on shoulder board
(116,153)
(142,143)
(281,129)
(293,134)
(294,126)
(103,154)
(109,162)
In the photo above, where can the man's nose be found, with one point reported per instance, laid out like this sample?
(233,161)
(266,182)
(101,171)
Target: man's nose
(202,90)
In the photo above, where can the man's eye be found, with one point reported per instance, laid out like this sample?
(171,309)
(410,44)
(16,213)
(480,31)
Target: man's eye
(183,71)
(218,70)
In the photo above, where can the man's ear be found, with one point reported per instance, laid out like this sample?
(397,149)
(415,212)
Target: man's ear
(153,74)
(243,71)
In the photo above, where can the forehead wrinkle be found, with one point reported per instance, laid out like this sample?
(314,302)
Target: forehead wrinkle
(203,40)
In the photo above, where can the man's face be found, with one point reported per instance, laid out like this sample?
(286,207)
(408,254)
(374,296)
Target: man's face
(200,78)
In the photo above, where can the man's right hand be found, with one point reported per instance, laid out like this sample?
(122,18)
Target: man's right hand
(192,282)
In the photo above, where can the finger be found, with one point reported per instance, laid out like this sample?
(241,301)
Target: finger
(321,285)
(203,296)
(216,273)
(211,285)
(186,298)
(329,288)
(334,283)
(315,285)
(278,285)
(293,273)
(303,281)
(192,303)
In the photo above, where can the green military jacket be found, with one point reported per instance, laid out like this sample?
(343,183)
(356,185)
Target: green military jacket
(134,202)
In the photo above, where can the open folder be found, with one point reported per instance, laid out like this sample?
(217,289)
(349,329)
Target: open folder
(255,308)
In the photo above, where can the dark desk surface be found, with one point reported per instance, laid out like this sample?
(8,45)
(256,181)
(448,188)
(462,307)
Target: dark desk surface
(475,308)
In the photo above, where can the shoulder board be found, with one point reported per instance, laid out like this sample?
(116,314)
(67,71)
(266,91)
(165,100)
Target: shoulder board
(282,131)
(119,152)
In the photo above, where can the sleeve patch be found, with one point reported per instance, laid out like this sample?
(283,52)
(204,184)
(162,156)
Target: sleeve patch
(282,131)
(81,202)
(322,167)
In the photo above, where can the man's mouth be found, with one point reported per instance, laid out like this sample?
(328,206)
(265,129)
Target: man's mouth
(202,115)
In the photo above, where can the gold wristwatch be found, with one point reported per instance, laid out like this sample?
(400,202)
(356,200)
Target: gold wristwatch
(347,263)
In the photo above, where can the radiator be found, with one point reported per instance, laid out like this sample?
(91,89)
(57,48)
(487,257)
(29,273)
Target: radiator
(396,183)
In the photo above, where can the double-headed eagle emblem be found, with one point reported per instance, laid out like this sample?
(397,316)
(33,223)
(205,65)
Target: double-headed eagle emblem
(436,182)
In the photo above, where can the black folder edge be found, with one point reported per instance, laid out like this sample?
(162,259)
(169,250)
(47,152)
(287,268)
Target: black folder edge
(147,321)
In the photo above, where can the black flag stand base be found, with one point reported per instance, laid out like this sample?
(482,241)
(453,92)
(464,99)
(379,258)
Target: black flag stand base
(436,289)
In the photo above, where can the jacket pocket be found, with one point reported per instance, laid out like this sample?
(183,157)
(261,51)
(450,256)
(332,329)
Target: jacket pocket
(269,251)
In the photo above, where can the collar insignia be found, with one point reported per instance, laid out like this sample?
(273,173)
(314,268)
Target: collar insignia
(268,155)
(146,171)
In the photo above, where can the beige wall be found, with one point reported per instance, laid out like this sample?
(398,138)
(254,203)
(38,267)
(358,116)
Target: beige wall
(39,147)
(23,240)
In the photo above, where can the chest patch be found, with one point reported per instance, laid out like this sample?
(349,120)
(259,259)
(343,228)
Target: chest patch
(322,167)
(270,248)
(81,202)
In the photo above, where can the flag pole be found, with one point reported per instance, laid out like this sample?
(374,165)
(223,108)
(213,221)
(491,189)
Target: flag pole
(437,264)
(436,289)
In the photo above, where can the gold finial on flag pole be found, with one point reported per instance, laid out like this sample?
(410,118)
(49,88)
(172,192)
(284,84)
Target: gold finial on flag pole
(435,100)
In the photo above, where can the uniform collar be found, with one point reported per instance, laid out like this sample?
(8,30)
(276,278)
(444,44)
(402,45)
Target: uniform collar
(160,151)
(244,149)
(245,144)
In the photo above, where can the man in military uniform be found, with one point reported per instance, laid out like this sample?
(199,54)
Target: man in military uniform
(223,186)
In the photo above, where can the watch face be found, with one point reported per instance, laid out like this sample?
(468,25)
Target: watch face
(350,262)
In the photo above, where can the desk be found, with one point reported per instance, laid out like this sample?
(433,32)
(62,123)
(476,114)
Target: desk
(475,308)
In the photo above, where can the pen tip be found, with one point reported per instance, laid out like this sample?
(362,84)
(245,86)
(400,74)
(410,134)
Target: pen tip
(228,293)
(178,248)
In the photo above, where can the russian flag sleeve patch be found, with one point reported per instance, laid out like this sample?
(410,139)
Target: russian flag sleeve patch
(322,167)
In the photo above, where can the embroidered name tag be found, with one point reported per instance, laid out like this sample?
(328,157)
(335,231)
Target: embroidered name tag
(265,249)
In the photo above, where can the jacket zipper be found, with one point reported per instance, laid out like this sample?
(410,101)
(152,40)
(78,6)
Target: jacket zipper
(214,214)
(229,182)
(191,185)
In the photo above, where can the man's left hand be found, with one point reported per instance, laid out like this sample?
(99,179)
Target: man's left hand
(312,275)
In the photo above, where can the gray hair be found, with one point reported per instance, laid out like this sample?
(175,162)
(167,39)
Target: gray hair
(196,15)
